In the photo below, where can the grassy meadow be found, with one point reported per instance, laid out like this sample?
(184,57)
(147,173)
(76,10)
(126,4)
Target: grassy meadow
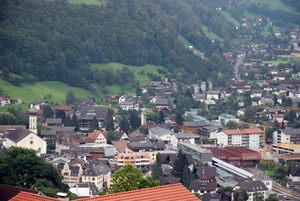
(184,40)
(209,33)
(229,18)
(265,30)
(39,91)
(283,60)
(276,4)
(140,72)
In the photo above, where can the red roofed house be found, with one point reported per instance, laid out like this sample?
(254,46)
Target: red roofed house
(97,136)
(4,100)
(165,193)
(67,109)
(250,137)
(237,156)
(278,117)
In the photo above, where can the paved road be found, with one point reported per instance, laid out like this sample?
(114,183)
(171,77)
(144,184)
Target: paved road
(19,102)
(236,67)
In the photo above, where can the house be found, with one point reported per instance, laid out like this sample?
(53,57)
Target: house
(225,118)
(37,104)
(127,97)
(87,113)
(210,131)
(71,174)
(256,93)
(68,141)
(201,188)
(214,95)
(157,85)
(206,174)
(53,121)
(294,94)
(120,135)
(111,98)
(129,105)
(251,138)
(161,134)
(97,136)
(262,176)
(169,160)
(180,137)
(87,189)
(169,180)
(97,173)
(294,172)
(161,102)
(27,138)
(67,109)
(192,126)
(4,100)
(253,187)
(199,97)
(266,101)
(278,117)
(240,112)
(121,146)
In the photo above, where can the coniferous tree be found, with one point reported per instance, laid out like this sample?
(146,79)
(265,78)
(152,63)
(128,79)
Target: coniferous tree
(75,122)
(157,167)
(161,117)
(134,120)
(179,164)
(68,121)
(95,124)
(124,125)
(187,176)
(48,112)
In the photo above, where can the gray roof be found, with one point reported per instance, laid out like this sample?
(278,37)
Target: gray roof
(90,185)
(195,123)
(184,135)
(290,131)
(139,145)
(63,129)
(97,170)
(53,120)
(160,131)
(213,92)
(127,103)
(88,112)
(169,180)
(155,83)
(197,185)
(48,132)
(259,175)
(210,128)
(253,186)
(18,134)
(162,101)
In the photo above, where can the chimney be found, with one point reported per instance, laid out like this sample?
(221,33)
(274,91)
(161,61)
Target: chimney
(203,172)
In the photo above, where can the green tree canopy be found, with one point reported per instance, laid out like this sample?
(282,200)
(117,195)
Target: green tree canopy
(272,197)
(95,123)
(231,125)
(124,125)
(70,97)
(48,112)
(22,167)
(223,189)
(240,194)
(258,196)
(130,178)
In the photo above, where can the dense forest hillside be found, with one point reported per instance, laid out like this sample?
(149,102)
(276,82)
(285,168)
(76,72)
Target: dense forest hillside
(56,40)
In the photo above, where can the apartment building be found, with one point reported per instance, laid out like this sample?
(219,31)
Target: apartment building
(286,136)
(142,160)
(251,138)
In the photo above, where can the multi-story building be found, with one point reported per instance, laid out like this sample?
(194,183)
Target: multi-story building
(287,136)
(253,187)
(198,153)
(181,137)
(251,138)
(225,118)
(87,113)
(98,174)
(142,160)
(71,174)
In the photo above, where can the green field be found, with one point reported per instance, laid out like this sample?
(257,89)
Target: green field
(283,60)
(137,70)
(276,4)
(249,15)
(229,18)
(265,30)
(209,33)
(184,40)
(99,2)
(39,91)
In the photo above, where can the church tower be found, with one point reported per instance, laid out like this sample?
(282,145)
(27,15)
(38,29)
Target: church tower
(33,120)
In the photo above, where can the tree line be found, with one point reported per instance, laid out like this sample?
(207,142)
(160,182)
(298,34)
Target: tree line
(56,40)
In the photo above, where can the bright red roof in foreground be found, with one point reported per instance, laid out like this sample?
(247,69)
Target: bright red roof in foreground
(165,193)
(24,196)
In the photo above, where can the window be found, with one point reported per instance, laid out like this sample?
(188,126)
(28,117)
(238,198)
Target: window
(31,142)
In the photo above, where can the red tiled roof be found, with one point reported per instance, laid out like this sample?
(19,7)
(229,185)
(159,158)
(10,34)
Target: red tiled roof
(243,131)
(166,193)
(63,107)
(25,196)
(7,192)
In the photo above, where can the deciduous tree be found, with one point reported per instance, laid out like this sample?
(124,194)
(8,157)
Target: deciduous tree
(130,178)
(48,112)
(240,194)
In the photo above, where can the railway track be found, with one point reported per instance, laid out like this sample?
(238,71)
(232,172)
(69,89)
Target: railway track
(284,190)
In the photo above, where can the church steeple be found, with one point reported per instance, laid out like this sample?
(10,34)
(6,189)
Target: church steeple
(33,120)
